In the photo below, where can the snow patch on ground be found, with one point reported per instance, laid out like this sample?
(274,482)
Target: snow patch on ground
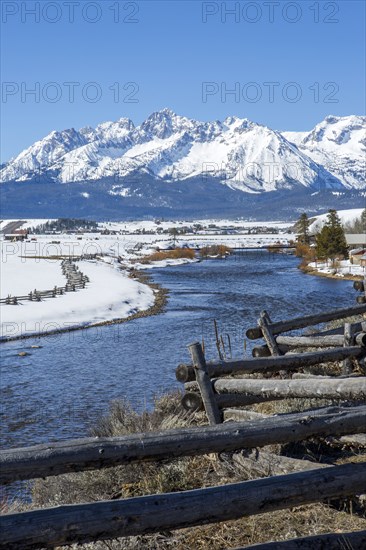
(165,263)
(343,269)
(110,295)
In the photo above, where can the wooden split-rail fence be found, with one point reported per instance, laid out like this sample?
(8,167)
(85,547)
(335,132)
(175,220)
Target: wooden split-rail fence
(76,280)
(211,385)
(239,435)
(360,286)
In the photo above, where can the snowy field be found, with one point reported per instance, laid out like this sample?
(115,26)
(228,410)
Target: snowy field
(152,226)
(132,246)
(21,275)
(111,294)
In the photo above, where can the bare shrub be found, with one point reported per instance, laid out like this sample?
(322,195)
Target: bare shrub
(219,250)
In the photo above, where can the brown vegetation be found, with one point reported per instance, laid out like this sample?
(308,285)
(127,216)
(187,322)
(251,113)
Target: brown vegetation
(305,251)
(219,250)
(174,254)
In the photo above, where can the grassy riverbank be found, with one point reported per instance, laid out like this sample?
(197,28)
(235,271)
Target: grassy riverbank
(191,473)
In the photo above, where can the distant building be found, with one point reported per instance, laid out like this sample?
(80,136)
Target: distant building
(356,254)
(19,235)
(356,240)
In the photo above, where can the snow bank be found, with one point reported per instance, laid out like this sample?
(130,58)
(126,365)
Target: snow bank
(344,268)
(110,295)
(346,216)
(21,275)
(165,263)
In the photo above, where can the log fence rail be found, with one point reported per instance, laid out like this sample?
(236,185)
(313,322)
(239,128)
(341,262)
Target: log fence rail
(65,525)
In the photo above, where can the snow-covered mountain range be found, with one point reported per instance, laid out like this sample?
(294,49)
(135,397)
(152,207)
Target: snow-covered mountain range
(238,153)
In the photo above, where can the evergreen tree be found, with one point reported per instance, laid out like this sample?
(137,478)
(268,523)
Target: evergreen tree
(302,228)
(331,242)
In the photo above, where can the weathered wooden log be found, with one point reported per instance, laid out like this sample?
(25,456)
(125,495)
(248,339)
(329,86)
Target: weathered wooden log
(336,388)
(360,338)
(356,327)
(348,341)
(285,343)
(239,415)
(260,463)
(301,322)
(185,373)
(356,441)
(359,285)
(205,385)
(192,401)
(265,324)
(302,375)
(81,523)
(312,341)
(331,541)
(91,453)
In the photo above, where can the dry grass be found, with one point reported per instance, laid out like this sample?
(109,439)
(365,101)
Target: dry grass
(175,254)
(280,525)
(178,475)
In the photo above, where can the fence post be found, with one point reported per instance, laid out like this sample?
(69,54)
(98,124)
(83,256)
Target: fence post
(348,339)
(265,323)
(204,383)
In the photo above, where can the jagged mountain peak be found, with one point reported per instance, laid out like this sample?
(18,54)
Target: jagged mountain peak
(240,153)
(339,145)
(336,129)
(162,124)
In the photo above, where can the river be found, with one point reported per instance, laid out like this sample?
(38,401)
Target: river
(59,390)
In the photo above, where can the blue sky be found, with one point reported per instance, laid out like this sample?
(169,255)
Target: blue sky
(288,64)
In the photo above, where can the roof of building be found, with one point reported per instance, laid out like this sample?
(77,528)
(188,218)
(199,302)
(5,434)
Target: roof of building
(357,251)
(356,238)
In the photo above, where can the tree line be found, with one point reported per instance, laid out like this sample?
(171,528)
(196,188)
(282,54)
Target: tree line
(65,224)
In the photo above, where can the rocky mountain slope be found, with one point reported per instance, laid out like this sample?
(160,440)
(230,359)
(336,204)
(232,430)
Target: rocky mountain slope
(238,153)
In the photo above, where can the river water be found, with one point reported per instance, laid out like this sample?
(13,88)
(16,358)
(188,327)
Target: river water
(59,390)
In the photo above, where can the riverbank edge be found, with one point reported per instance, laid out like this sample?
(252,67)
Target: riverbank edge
(311,271)
(160,301)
